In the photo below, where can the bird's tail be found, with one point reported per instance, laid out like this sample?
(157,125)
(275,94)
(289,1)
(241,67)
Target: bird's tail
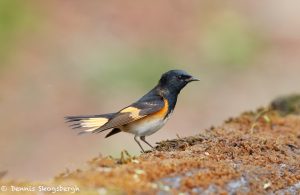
(89,123)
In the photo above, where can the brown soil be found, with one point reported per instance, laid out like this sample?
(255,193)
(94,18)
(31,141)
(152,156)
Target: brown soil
(230,159)
(256,153)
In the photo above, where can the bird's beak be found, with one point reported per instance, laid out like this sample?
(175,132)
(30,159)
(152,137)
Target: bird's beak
(192,79)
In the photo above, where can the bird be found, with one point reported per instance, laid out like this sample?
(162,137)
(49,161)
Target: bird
(142,118)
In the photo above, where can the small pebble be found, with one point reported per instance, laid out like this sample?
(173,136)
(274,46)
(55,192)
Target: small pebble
(139,171)
(267,185)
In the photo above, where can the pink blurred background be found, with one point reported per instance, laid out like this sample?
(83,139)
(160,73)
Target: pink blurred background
(61,58)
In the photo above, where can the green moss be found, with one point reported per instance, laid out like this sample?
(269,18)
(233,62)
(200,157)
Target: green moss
(289,104)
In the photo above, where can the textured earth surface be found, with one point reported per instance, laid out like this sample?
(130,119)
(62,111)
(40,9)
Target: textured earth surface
(255,153)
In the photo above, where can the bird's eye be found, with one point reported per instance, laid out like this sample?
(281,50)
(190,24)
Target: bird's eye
(180,77)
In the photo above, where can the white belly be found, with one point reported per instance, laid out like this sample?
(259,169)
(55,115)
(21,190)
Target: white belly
(144,128)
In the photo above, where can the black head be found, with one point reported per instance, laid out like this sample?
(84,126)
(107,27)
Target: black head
(175,80)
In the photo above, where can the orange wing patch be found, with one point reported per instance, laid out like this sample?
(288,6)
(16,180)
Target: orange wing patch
(125,116)
(133,112)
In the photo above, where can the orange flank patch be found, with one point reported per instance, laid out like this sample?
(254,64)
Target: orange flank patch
(162,113)
(157,115)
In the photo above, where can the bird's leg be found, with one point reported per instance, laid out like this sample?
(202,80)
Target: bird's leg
(143,138)
(137,141)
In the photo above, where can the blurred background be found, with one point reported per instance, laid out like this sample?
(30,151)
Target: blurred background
(61,58)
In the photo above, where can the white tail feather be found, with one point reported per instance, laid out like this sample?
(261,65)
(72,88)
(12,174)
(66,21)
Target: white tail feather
(93,123)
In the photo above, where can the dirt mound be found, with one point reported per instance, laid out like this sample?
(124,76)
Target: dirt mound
(234,158)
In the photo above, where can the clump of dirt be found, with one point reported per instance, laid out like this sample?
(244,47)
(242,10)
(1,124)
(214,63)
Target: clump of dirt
(285,105)
(255,153)
(2,174)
